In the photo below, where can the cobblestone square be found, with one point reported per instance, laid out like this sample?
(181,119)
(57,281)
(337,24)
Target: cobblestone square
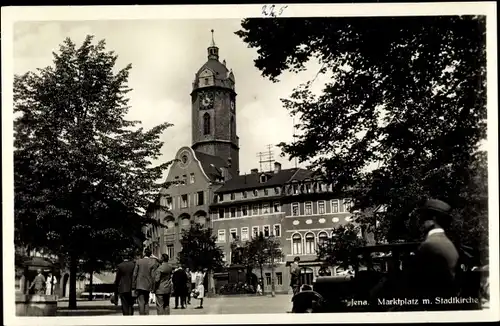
(217,305)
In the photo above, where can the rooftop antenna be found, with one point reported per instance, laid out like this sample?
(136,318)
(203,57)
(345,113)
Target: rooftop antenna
(294,139)
(266,158)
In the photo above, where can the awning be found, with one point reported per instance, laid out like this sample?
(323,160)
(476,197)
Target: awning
(305,260)
(102,278)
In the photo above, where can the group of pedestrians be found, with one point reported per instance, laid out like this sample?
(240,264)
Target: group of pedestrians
(42,285)
(138,279)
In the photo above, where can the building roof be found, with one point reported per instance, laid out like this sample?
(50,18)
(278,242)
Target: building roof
(252,181)
(221,72)
(211,165)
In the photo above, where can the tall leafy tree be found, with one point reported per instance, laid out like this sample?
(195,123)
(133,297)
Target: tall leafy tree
(263,251)
(402,114)
(83,172)
(199,249)
(338,250)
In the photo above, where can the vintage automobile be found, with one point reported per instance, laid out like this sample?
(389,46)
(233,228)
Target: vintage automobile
(378,272)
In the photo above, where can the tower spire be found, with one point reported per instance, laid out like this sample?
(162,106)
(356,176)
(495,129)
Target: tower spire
(213,42)
(213,50)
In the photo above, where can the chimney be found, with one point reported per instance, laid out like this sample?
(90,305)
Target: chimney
(254,171)
(224,62)
(277,167)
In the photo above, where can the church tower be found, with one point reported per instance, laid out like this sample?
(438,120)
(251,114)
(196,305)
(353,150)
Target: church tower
(214,110)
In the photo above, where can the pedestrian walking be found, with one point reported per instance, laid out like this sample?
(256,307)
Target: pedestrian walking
(295,275)
(50,284)
(435,262)
(39,283)
(123,285)
(193,282)
(143,280)
(152,296)
(200,287)
(189,286)
(179,280)
(163,286)
(259,287)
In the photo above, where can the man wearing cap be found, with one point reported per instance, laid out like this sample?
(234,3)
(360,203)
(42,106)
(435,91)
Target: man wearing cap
(295,275)
(433,273)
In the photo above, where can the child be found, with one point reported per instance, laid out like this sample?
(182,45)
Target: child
(200,288)
(259,288)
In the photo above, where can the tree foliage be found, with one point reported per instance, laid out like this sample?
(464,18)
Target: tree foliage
(83,173)
(402,115)
(199,249)
(261,251)
(338,250)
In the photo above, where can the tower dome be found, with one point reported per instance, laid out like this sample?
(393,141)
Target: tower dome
(213,72)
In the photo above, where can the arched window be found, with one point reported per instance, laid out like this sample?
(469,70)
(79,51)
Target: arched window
(322,237)
(186,223)
(297,244)
(233,127)
(310,244)
(206,124)
(170,224)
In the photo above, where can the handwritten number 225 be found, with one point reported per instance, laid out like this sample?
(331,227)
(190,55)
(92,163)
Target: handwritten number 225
(271,10)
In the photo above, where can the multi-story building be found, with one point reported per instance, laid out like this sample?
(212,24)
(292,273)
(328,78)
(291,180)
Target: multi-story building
(290,204)
(200,169)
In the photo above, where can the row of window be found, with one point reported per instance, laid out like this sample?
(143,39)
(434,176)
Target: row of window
(183,201)
(279,278)
(185,223)
(184,180)
(246,194)
(245,232)
(225,258)
(307,244)
(253,210)
(293,189)
(336,206)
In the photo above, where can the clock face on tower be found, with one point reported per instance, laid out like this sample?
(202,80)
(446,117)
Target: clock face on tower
(206,100)
(232,106)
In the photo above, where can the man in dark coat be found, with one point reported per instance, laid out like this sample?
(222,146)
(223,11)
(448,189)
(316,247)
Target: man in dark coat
(123,285)
(143,280)
(295,275)
(435,261)
(163,286)
(179,279)
(38,285)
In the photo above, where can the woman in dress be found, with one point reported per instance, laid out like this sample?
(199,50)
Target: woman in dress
(200,288)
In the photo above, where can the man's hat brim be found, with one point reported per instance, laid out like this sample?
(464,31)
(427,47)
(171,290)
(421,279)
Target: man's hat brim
(435,205)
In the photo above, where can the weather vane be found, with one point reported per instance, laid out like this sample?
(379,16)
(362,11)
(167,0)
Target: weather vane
(213,42)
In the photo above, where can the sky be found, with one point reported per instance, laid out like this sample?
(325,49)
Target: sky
(165,55)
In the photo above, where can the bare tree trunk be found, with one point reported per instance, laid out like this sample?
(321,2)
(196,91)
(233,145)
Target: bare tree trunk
(72,281)
(262,278)
(273,290)
(91,285)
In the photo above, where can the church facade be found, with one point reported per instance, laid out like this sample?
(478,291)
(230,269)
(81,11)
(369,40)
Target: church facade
(293,205)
